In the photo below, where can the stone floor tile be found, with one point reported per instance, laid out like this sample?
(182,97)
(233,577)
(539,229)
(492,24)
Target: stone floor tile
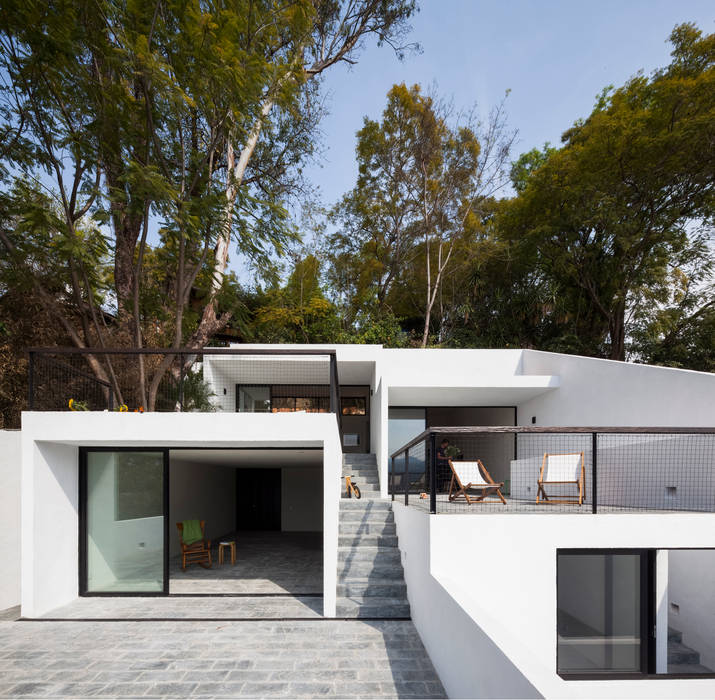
(172,690)
(218,690)
(264,690)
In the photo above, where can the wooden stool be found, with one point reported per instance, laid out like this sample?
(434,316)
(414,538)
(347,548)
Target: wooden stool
(231,544)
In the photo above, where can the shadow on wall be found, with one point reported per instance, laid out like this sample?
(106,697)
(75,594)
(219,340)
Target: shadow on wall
(473,653)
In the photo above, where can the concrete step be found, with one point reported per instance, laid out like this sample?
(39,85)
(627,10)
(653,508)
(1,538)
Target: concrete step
(364,486)
(364,516)
(357,528)
(380,556)
(360,479)
(674,635)
(367,541)
(374,506)
(365,495)
(373,607)
(377,573)
(368,588)
(359,457)
(678,653)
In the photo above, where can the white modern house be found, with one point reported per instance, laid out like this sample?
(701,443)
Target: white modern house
(613,597)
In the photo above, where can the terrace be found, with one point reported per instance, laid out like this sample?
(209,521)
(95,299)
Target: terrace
(624,470)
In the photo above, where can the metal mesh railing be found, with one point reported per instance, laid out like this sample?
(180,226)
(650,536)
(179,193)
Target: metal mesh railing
(215,379)
(557,470)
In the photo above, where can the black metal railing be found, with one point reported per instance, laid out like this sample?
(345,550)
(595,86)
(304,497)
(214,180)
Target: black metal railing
(614,470)
(272,380)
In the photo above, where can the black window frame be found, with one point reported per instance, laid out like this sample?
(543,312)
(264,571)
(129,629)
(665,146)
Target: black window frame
(83,530)
(648,619)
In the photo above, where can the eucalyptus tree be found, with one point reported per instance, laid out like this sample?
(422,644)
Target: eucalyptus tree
(426,173)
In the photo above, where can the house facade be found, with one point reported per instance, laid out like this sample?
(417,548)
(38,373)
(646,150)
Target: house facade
(511,599)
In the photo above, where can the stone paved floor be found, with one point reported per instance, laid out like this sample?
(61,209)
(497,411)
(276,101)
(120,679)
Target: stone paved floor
(311,658)
(266,562)
(191,607)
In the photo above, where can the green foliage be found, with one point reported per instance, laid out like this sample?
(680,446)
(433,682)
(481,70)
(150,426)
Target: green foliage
(628,196)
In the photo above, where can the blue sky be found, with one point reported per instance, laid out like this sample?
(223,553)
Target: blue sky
(554,56)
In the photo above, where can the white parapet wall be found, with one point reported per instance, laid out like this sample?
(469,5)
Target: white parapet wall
(50,481)
(605,392)
(10,518)
(482,591)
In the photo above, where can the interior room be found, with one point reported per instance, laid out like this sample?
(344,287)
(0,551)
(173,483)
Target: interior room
(269,502)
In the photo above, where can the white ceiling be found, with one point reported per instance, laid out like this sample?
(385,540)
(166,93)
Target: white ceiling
(249,458)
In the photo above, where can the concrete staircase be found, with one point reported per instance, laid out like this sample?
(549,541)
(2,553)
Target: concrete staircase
(681,658)
(370,576)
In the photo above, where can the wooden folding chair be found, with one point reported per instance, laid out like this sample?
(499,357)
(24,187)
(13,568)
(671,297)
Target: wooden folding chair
(196,552)
(473,475)
(567,468)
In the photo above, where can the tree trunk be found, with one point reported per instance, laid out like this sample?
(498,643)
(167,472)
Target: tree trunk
(617,330)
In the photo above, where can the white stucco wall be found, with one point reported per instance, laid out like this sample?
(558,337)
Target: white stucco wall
(499,571)
(378,434)
(50,485)
(604,392)
(10,462)
(50,528)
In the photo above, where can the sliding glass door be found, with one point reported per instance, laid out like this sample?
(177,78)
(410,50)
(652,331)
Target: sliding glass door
(124,504)
(602,611)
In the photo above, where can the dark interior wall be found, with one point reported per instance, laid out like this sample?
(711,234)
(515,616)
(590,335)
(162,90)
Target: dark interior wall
(495,451)
(470,415)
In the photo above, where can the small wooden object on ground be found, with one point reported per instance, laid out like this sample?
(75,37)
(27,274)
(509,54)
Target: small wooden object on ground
(231,544)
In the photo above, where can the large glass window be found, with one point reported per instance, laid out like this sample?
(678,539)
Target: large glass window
(599,614)
(125,521)
(403,424)
(254,399)
(687,609)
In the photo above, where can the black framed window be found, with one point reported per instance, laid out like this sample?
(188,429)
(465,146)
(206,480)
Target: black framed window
(602,612)
(353,406)
(123,521)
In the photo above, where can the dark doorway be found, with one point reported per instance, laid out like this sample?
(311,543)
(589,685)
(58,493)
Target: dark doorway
(258,499)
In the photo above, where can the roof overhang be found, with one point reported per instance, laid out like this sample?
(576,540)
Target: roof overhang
(511,391)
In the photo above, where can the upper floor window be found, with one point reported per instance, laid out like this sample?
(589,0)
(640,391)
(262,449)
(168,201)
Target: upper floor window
(353,406)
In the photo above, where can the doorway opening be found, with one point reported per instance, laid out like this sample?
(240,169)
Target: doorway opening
(268,502)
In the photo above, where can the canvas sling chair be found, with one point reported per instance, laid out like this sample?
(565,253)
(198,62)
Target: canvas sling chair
(467,476)
(194,551)
(562,469)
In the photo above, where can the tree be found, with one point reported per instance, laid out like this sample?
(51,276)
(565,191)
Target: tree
(298,312)
(193,119)
(629,196)
(423,177)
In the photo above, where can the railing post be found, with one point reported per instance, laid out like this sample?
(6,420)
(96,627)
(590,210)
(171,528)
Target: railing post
(407,477)
(392,479)
(594,473)
(31,383)
(433,474)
